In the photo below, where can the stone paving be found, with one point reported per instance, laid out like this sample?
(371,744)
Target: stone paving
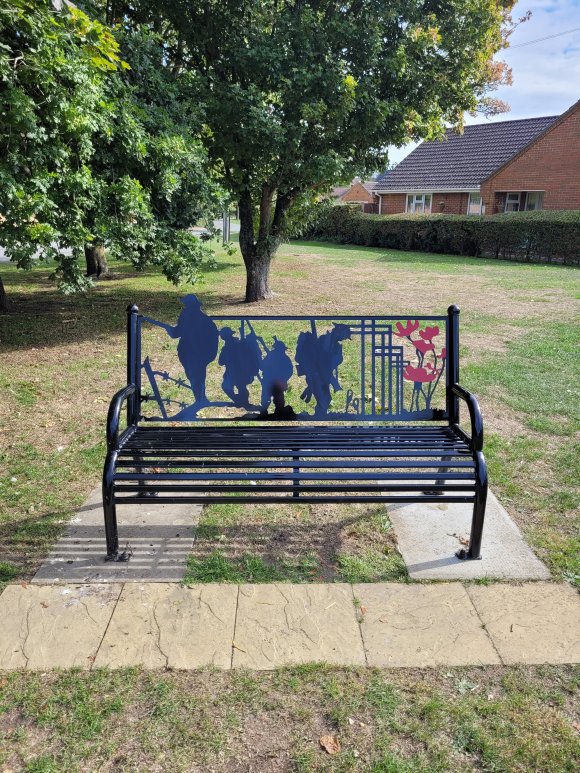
(82,611)
(167,625)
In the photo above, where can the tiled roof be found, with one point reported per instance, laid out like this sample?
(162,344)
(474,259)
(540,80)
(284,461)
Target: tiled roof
(462,161)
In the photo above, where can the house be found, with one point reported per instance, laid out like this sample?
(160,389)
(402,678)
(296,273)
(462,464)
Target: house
(507,166)
(358,192)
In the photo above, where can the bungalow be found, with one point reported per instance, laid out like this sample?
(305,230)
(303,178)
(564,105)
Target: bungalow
(358,192)
(507,166)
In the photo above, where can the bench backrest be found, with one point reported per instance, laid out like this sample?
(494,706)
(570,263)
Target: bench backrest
(323,368)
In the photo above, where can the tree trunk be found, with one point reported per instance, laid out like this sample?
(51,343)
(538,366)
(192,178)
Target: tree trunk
(258,278)
(3,299)
(256,256)
(96,259)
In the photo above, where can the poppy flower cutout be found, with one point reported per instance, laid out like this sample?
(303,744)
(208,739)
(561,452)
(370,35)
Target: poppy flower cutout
(429,333)
(423,346)
(443,354)
(419,375)
(403,331)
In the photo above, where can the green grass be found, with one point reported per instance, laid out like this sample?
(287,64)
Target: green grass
(216,567)
(471,719)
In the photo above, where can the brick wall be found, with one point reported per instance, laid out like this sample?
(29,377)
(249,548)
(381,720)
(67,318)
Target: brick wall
(449,203)
(552,165)
(357,194)
(392,204)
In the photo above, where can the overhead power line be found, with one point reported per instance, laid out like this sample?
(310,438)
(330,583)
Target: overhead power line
(548,37)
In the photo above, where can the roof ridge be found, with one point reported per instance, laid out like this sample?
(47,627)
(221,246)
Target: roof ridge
(504,123)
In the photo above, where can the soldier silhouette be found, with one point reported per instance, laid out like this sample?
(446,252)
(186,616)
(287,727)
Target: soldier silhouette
(276,370)
(318,359)
(241,358)
(197,347)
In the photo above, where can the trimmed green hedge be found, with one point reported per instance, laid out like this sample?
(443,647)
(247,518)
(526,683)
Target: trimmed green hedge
(543,236)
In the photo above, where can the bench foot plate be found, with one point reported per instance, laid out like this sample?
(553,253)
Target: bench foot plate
(119,557)
(463,554)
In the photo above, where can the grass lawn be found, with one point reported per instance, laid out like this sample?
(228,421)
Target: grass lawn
(471,719)
(63,358)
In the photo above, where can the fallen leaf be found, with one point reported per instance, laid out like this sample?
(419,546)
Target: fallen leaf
(330,743)
(43,604)
(576,726)
(363,609)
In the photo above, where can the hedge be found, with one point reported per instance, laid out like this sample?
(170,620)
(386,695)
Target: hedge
(543,236)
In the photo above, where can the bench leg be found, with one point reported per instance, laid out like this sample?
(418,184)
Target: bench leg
(110,511)
(296,471)
(439,492)
(474,549)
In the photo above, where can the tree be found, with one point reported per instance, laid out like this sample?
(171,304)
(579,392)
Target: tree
(90,154)
(298,93)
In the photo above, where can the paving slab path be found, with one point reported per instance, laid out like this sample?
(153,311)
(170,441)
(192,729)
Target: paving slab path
(168,625)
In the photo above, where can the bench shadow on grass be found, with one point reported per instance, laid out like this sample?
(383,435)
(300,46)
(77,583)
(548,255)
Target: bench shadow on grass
(352,549)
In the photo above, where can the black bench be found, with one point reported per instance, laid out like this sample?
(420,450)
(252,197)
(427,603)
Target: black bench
(293,409)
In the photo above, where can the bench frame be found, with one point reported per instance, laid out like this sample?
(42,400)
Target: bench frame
(131,396)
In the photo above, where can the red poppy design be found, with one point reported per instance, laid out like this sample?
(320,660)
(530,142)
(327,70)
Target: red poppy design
(429,333)
(443,354)
(419,375)
(409,328)
(423,346)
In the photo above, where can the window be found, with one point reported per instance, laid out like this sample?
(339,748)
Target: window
(474,204)
(512,202)
(419,203)
(530,200)
(534,200)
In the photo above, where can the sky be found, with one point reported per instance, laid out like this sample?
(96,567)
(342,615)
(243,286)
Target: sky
(546,74)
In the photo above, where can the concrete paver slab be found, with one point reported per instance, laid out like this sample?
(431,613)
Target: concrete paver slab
(533,623)
(428,536)
(174,626)
(284,624)
(421,625)
(160,536)
(54,627)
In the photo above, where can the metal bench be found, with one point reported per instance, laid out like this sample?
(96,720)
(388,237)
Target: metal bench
(293,410)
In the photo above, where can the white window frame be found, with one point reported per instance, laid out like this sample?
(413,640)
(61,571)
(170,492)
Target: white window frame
(474,193)
(507,201)
(419,198)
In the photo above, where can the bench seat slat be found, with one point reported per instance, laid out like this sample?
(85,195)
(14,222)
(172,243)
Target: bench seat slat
(353,487)
(322,499)
(293,476)
(272,464)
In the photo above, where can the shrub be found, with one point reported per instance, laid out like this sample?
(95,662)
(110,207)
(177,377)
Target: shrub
(531,236)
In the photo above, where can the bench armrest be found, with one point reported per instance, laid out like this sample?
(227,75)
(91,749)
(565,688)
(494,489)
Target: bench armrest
(114,415)
(476,440)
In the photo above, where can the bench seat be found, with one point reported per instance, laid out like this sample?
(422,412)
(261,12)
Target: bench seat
(281,463)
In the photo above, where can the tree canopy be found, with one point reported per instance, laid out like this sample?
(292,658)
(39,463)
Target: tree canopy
(298,93)
(94,151)
(278,98)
